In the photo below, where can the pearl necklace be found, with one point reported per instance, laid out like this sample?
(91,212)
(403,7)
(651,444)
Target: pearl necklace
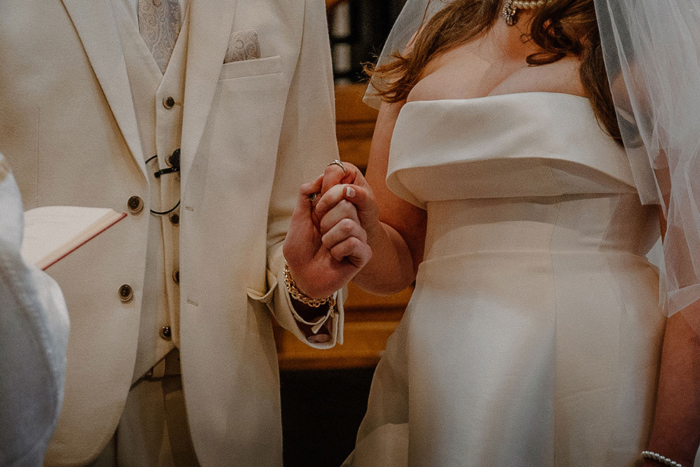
(511,7)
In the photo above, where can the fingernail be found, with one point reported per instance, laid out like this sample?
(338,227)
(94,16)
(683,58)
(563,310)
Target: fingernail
(350,192)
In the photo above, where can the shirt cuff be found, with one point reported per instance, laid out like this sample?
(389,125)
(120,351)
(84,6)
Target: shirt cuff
(280,304)
(320,321)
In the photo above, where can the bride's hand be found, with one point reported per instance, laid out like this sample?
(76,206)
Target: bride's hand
(321,264)
(346,207)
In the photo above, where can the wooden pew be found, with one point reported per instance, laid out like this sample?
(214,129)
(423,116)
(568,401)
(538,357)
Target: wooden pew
(354,124)
(330,4)
(369,319)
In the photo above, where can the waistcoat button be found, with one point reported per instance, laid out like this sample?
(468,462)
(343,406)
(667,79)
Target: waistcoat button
(168,102)
(176,276)
(135,204)
(126,293)
(166,333)
(174,219)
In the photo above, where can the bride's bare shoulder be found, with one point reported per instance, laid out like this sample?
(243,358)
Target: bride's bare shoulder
(494,64)
(460,73)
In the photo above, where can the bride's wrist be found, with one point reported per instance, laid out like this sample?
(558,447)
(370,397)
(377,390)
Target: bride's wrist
(375,231)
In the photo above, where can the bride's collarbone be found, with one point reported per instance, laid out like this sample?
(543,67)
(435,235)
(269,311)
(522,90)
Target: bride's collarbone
(469,75)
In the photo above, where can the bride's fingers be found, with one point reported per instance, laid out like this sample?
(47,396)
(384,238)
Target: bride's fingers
(334,174)
(343,230)
(358,253)
(330,199)
(343,210)
(361,197)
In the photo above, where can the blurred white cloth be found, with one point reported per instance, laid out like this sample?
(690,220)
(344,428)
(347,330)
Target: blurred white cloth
(33,339)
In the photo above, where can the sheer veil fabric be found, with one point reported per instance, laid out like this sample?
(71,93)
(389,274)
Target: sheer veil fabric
(412,16)
(651,50)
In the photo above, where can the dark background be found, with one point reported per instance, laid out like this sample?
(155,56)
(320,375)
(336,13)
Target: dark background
(370,23)
(321,412)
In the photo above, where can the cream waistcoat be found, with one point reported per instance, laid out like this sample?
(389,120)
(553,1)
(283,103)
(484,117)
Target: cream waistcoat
(160,129)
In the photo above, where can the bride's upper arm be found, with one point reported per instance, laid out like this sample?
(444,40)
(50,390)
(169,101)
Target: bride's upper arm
(408,220)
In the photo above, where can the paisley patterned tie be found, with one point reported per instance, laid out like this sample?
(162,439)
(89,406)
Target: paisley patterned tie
(159,25)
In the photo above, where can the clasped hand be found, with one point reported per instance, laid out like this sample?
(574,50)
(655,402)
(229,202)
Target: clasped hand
(329,238)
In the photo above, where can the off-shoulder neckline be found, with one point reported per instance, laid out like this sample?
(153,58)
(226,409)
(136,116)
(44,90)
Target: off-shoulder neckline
(503,96)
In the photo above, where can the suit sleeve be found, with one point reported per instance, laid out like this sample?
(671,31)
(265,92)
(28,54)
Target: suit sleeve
(33,339)
(307,144)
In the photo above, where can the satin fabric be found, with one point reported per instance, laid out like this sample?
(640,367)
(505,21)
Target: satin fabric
(533,336)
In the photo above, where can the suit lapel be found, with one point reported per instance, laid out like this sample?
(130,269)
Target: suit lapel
(209,31)
(95,23)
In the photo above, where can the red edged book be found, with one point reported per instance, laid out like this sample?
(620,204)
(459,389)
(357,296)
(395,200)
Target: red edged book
(53,232)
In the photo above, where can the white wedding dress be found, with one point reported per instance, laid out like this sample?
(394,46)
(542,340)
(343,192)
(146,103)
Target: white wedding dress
(534,333)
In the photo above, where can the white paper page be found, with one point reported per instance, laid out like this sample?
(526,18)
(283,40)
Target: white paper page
(48,228)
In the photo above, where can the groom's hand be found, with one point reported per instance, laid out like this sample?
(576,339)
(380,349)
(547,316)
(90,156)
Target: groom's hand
(320,263)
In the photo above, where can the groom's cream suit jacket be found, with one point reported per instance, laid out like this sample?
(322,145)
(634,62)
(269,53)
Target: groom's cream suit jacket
(252,132)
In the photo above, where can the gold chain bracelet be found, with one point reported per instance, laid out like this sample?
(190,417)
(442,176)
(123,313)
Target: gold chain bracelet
(301,296)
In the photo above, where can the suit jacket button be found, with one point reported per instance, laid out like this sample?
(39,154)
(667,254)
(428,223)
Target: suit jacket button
(176,276)
(135,204)
(126,293)
(168,102)
(166,333)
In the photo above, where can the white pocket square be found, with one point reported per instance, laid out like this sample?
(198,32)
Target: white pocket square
(243,45)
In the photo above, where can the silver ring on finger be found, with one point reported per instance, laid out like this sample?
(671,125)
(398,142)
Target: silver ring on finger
(313,197)
(339,164)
